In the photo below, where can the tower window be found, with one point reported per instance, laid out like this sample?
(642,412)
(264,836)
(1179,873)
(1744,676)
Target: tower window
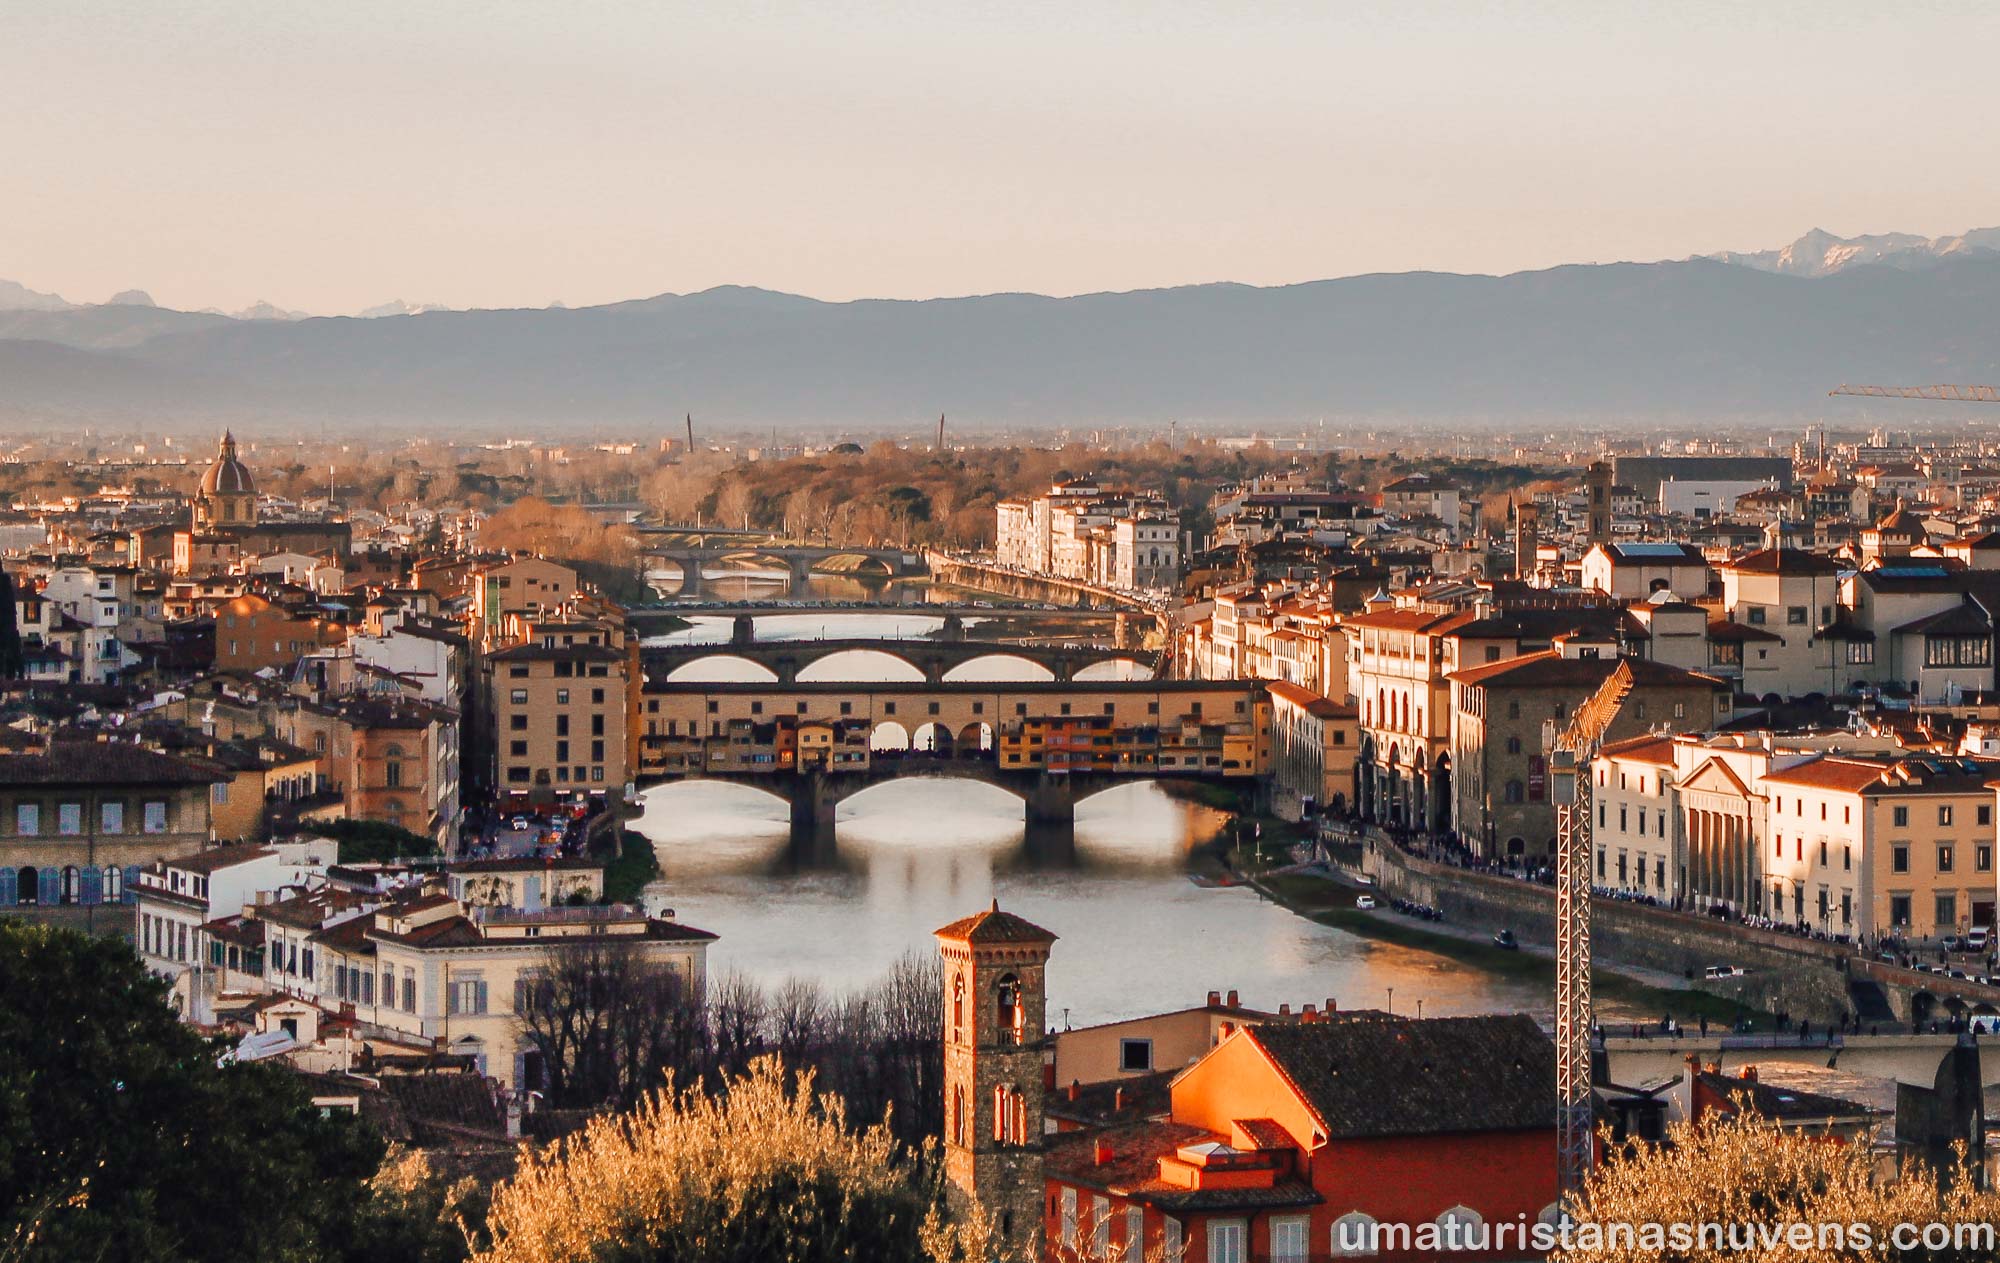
(1007,1009)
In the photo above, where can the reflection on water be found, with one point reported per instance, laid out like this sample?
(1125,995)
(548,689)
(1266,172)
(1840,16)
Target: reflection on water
(710,629)
(1137,936)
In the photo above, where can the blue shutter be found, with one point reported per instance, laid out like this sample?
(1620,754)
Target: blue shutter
(91,888)
(131,883)
(9,893)
(50,885)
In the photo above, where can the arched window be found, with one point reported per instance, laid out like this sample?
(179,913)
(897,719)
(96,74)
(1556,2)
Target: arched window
(958,1114)
(1353,1235)
(30,885)
(1459,1229)
(71,889)
(958,1009)
(1007,1009)
(1514,791)
(1000,1113)
(1513,745)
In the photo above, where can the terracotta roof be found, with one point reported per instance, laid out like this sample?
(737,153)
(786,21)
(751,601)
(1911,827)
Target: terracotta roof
(995,926)
(1314,704)
(1784,561)
(1133,1166)
(219,857)
(1848,775)
(1399,620)
(67,763)
(1410,1078)
(1654,749)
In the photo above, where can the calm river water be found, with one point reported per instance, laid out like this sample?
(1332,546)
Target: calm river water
(1137,936)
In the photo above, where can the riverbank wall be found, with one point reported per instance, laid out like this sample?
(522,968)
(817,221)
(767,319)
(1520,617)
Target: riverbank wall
(1782,974)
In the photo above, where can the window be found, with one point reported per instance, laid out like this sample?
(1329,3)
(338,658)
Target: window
(69,819)
(1135,1232)
(1353,1235)
(1982,858)
(1135,1055)
(518,697)
(1944,857)
(1756,616)
(1100,1227)
(1899,858)
(1288,1238)
(1173,1246)
(28,819)
(1947,911)
(1069,1219)
(1458,1226)
(1983,813)
(1900,816)
(1514,791)
(409,991)
(111,816)
(1860,653)
(468,994)
(1795,615)
(1226,1242)
(562,697)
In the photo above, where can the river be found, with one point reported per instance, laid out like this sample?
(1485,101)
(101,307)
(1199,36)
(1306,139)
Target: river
(1136,935)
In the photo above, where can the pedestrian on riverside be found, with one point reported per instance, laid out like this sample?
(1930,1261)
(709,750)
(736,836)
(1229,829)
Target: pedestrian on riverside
(1704,1026)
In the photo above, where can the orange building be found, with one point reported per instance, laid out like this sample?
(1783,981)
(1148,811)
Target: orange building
(251,633)
(1322,1139)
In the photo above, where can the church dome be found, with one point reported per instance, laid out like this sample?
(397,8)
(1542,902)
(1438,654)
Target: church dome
(228,475)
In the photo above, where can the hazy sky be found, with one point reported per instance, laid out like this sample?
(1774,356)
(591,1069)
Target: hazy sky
(336,154)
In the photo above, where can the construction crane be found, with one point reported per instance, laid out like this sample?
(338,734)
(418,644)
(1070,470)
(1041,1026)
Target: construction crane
(1943,394)
(1570,751)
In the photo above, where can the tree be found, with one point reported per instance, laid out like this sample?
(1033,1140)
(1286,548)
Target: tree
(735,503)
(1738,1172)
(607,1020)
(122,1138)
(765,1172)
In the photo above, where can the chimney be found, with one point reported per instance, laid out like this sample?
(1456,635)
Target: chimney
(1232,1000)
(1330,1006)
(1075,1086)
(1307,1009)
(1284,1010)
(1117,1099)
(1214,999)
(1101,1152)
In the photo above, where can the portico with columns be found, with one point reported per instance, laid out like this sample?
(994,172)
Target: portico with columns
(1720,821)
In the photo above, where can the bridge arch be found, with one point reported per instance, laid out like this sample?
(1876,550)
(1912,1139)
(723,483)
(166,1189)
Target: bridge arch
(976,736)
(722,668)
(755,785)
(1114,669)
(998,668)
(858,564)
(871,665)
(889,735)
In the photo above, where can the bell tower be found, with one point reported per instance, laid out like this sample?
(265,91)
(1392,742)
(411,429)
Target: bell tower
(995,1023)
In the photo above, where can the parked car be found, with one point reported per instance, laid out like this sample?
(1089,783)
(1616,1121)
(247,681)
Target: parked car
(1714,972)
(1366,903)
(1505,940)
(1978,938)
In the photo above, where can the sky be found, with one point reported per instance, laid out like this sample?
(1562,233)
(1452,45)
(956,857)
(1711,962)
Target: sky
(330,156)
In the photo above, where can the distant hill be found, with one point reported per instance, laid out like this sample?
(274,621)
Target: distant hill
(1688,340)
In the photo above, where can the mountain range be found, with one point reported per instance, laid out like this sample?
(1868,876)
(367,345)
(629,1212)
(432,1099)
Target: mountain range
(1740,338)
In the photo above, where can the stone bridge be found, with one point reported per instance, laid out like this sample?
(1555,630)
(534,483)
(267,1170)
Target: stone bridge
(934,658)
(692,554)
(1049,799)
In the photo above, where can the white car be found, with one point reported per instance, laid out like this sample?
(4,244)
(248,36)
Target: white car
(1366,903)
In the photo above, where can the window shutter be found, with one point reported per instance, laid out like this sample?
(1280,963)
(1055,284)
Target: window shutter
(93,885)
(50,884)
(9,892)
(480,1002)
(131,883)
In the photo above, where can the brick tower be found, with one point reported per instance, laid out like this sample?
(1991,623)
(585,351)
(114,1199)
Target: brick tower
(994,1027)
